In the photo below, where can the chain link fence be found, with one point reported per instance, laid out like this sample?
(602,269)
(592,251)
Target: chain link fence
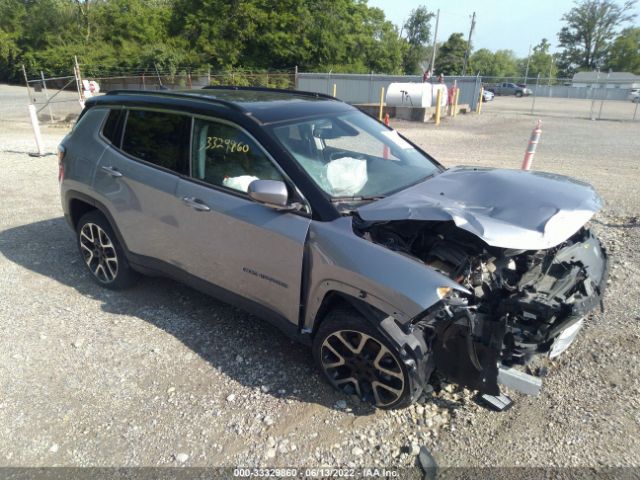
(59,99)
(602,99)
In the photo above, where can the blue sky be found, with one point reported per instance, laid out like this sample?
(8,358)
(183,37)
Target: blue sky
(500,24)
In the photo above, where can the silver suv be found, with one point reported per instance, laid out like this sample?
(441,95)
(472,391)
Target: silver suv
(299,208)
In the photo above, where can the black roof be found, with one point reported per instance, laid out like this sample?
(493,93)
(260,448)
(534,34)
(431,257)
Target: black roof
(264,104)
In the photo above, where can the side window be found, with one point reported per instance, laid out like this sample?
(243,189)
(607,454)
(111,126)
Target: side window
(225,156)
(110,129)
(159,138)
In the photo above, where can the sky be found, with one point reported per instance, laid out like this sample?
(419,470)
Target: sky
(500,24)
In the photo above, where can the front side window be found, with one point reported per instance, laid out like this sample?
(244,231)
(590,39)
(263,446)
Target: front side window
(225,156)
(352,156)
(159,138)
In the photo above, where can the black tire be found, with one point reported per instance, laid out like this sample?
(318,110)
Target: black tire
(518,94)
(358,372)
(101,252)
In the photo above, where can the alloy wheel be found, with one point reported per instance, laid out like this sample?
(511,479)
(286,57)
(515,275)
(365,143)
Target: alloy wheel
(359,364)
(98,252)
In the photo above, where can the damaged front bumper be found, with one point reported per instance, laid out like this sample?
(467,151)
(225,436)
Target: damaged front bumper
(480,349)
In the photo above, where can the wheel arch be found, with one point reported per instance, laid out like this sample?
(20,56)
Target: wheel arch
(79,204)
(334,299)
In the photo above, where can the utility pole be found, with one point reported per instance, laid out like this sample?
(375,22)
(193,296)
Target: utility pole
(468,52)
(435,43)
(526,72)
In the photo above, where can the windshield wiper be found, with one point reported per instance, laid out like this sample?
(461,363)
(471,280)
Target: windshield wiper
(363,198)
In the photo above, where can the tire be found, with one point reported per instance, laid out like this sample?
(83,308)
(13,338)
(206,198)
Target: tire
(357,360)
(102,254)
(518,94)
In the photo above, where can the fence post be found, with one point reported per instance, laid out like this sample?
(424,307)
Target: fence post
(26,82)
(593,96)
(209,75)
(381,103)
(456,96)
(635,111)
(46,96)
(535,94)
(76,72)
(480,101)
(438,107)
(603,97)
(334,91)
(36,131)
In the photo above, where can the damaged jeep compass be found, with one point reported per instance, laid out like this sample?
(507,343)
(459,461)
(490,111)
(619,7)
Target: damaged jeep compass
(399,273)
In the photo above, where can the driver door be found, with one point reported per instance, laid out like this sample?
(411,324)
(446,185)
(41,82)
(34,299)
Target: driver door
(230,240)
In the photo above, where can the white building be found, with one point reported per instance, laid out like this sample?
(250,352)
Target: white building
(623,80)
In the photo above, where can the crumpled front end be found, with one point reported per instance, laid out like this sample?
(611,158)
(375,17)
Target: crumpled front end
(531,303)
(522,303)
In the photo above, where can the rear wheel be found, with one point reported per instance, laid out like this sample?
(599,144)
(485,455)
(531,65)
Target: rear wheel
(102,254)
(357,360)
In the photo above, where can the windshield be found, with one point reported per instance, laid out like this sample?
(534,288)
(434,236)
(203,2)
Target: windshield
(351,156)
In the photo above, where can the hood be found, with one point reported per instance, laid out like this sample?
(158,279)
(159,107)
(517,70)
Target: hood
(505,208)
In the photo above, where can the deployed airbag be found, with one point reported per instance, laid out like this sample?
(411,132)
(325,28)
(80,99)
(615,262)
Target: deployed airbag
(346,176)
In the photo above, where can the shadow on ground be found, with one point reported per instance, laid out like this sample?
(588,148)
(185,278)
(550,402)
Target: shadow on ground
(214,330)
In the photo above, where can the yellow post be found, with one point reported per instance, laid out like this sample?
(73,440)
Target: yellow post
(479,109)
(455,101)
(381,103)
(438,107)
(334,90)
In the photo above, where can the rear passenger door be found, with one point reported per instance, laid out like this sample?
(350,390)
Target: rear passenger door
(230,240)
(137,178)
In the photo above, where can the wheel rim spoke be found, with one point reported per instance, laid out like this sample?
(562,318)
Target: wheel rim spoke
(340,361)
(356,350)
(353,382)
(376,363)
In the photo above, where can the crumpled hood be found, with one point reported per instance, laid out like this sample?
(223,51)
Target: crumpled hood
(505,208)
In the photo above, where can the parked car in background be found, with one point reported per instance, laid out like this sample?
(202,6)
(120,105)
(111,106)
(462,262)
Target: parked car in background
(634,95)
(487,96)
(399,274)
(506,88)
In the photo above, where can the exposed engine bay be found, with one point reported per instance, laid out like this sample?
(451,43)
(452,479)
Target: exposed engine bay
(519,303)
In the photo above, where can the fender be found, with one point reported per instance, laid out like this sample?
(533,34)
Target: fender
(398,285)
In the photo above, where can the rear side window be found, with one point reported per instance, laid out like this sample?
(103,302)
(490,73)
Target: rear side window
(159,138)
(110,129)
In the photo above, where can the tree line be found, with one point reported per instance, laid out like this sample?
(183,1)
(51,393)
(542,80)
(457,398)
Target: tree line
(261,35)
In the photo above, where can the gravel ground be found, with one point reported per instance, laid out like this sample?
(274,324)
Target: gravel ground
(161,375)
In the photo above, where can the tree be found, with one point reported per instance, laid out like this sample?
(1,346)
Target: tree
(417,29)
(541,61)
(451,53)
(589,28)
(502,63)
(624,55)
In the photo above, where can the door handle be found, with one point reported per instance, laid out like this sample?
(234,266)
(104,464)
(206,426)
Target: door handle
(196,204)
(112,171)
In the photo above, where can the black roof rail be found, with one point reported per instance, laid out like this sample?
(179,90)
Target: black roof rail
(181,95)
(302,93)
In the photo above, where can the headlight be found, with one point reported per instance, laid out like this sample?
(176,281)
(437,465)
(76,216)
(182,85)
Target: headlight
(443,292)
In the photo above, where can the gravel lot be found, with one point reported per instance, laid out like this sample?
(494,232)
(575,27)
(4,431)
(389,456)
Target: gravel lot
(161,375)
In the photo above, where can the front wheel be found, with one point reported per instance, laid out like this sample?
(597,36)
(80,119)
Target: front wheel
(102,254)
(518,94)
(357,360)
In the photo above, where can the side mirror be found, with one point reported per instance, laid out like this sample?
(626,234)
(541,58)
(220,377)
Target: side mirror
(272,193)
